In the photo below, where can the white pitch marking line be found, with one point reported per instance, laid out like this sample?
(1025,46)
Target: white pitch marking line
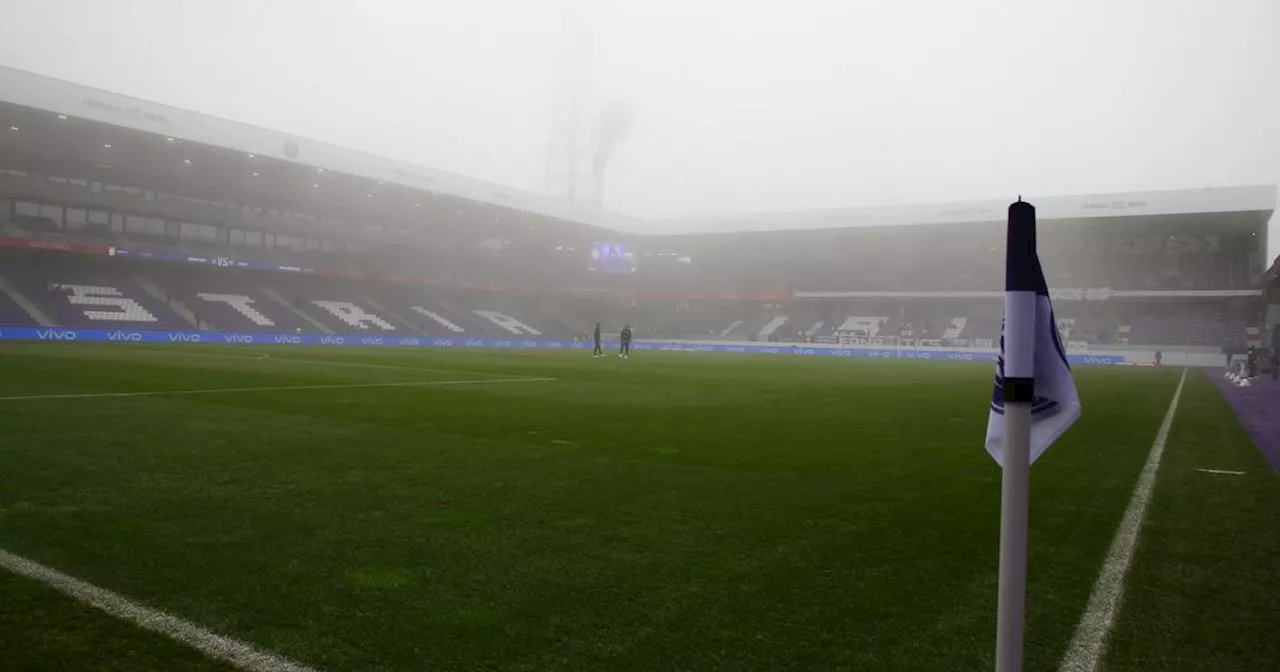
(1086,647)
(298,360)
(219,647)
(1222,471)
(363,365)
(278,388)
(256,355)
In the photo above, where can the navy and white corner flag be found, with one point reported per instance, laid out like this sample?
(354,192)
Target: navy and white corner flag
(1032,364)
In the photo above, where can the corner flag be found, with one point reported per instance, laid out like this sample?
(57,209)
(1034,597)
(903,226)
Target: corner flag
(1033,403)
(1032,364)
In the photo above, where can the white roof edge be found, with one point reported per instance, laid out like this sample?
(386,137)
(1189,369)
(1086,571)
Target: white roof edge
(75,100)
(1084,206)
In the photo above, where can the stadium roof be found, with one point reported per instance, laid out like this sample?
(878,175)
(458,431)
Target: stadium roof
(65,98)
(1255,199)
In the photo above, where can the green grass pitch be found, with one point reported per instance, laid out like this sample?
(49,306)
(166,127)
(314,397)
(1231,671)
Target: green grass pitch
(440,510)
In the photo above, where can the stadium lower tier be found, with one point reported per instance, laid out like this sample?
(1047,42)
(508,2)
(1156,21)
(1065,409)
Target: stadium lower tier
(66,291)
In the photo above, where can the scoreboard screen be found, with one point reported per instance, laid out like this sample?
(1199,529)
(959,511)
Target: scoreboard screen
(611,258)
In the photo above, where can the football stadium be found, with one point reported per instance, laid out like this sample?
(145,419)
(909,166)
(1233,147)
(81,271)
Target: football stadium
(273,404)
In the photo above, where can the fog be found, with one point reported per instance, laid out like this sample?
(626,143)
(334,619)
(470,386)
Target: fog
(738,106)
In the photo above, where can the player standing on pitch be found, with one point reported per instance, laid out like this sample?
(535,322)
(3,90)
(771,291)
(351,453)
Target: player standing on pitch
(598,352)
(624,350)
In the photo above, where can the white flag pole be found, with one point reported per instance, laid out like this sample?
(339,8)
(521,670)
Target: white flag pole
(1012,606)
(1018,391)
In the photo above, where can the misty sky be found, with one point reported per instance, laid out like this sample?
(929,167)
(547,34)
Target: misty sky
(740,105)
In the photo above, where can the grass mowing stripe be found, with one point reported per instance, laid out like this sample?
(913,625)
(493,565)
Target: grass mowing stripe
(276,388)
(243,656)
(1085,650)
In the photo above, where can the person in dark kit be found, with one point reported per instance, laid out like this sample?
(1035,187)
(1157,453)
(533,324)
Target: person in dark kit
(1251,365)
(624,350)
(1159,357)
(598,352)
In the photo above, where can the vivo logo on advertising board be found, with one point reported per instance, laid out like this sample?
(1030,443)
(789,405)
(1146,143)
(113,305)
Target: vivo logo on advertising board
(371,340)
(183,337)
(528,344)
(409,341)
(967,356)
(474,343)
(1098,360)
(736,349)
(288,339)
(442,342)
(803,351)
(55,335)
(332,340)
(502,344)
(238,338)
(553,344)
(124,336)
(771,351)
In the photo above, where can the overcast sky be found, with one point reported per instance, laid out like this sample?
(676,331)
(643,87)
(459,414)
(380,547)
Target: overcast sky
(740,105)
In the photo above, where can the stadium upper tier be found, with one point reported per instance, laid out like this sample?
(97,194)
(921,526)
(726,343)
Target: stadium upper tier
(1169,253)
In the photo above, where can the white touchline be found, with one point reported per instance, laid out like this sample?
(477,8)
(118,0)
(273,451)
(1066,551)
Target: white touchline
(1222,471)
(241,655)
(1086,647)
(275,388)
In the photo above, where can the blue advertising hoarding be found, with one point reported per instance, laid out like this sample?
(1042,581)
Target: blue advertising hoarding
(99,335)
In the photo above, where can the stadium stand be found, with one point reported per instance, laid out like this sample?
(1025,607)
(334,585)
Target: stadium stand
(79,290)
(228,301)
(82,296)
(1188,327)
(12,313)
(219,227)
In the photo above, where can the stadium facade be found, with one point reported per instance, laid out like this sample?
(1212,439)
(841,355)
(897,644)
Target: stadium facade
(118,212)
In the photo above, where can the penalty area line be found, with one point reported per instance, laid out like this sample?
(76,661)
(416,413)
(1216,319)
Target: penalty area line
(1084,653)
(242,655)
(273,388)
